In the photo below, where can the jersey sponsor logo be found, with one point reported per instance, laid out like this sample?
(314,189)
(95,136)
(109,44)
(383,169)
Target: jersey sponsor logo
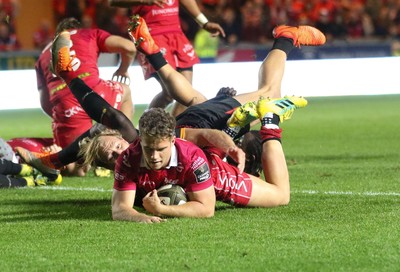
(197,162)
(232,183)
(165,11)
(72,111)
(202,173)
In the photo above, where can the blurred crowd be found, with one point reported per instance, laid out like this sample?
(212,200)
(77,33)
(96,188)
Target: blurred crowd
(244,21)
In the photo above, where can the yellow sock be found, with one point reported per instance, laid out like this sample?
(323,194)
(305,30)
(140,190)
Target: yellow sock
(30,181)
(26,170)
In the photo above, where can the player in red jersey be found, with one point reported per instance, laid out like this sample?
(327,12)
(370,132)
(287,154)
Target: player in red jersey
(69,120)
(158,158)
(162,18)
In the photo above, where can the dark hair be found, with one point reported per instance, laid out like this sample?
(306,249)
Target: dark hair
(156,122)
(252,146)
(67,23)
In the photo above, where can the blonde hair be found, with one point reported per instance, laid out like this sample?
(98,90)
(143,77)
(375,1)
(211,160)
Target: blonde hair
(90,148)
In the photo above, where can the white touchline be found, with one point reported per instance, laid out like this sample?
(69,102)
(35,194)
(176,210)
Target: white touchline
(63,188)
(309,192)
(312,192)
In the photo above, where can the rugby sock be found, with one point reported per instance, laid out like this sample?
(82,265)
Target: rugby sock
(69,154)
(8,182)
(99,110)
(9,168)
(26,170)
(232,131)
(284,44)
(268,134)
(270,120)
(93,104)
(157,60)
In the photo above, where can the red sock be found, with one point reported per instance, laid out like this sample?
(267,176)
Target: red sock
(270,134)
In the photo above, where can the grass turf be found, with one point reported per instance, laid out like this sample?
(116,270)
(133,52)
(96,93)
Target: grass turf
(343,157)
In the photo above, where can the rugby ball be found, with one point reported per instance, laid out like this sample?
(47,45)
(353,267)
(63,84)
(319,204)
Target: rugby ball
(172,194)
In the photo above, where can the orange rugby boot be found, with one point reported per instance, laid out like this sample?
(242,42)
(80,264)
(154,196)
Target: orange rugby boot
(301,35)
(61,59)
(140,35)
(40,161)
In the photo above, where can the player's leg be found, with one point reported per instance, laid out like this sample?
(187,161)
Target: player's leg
(127,106)
(49,163)
(178,108)
(21,175)
(177,85)
(276,190)
(273,66)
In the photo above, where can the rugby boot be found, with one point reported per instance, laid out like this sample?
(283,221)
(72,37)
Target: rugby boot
(102,172)
(40,161)
(301,35)
(62,61)
(40,180)
(140,35)
(243,115)
(283,107)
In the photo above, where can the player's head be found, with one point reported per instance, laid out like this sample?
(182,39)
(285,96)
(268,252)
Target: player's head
(103,149)
(67,23)
(252,146)
(157,137)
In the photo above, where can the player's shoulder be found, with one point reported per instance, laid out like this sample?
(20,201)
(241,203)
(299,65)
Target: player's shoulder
(187,149)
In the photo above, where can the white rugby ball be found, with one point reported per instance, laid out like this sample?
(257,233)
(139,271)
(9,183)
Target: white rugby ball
(172,194)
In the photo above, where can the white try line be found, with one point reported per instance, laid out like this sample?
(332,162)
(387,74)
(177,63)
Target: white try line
(308,192)
(312,192)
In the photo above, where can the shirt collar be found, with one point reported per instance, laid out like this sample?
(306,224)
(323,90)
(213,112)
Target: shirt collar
(173,162)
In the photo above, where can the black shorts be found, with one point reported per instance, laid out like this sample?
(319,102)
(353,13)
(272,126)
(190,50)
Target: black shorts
(213,114)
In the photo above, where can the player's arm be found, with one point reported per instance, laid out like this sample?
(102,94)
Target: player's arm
(213,137)
(201,204)
(122,208)
(193,9)
(130,3)
(126,49)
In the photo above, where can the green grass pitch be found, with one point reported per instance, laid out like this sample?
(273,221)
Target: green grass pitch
(344,164)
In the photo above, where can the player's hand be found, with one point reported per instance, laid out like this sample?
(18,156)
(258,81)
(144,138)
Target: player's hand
(122,77)
(238,155)
(152,203)
(143,218)
(51,148)
(215,29)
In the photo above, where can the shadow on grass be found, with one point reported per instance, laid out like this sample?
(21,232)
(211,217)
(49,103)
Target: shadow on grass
(44,210)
